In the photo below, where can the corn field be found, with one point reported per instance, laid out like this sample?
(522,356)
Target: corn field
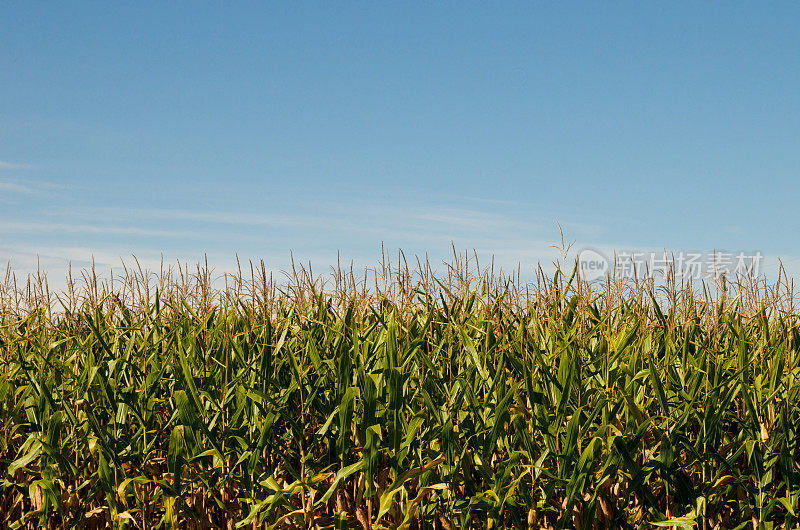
(404,398)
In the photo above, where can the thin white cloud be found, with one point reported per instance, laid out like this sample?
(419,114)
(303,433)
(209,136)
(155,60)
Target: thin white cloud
(236,218)
(30,187)
(467,218)
(385,220)
(15,187)
(12,165)
(485,200)
(80,257)
(18,226)
(212,217)
(56,262)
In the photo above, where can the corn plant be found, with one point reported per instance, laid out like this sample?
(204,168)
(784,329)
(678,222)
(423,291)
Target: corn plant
(409,399)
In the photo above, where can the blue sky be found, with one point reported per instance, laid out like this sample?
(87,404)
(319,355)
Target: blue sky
(253,128)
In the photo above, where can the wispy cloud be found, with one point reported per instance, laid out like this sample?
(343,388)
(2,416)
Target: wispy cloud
(30,187)
(59,262)
(387,220)
(27,258)
(237,218)
(467,218)
(9,186)
(210,217)
(13,165)
(485,200)
(18,226)
(583,230)
(515,236)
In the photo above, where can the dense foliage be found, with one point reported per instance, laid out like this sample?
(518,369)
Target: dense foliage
(457,402)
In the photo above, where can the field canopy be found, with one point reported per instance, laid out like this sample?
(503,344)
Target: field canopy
(398,398)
